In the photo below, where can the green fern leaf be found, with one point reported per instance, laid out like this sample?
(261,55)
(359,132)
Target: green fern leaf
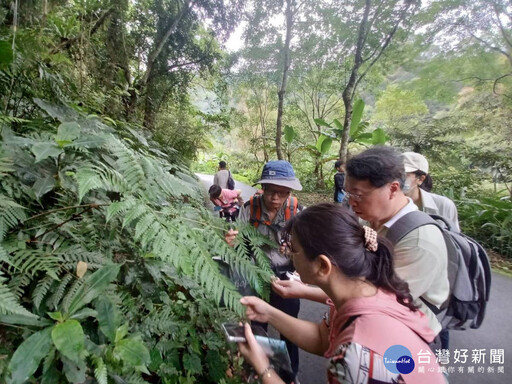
(8,302)
(100,370)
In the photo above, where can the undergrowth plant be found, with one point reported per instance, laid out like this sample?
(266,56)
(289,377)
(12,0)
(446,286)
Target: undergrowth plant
(106,269)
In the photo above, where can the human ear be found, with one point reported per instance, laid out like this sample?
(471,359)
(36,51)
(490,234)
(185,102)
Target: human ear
(421,179)
(394,187)
(323,266)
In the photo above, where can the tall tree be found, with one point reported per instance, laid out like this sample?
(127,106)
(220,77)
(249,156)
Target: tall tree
(377,24)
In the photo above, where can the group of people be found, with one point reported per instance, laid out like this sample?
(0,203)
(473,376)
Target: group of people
(379,295)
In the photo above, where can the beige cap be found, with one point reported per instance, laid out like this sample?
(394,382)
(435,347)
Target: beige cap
(415,162)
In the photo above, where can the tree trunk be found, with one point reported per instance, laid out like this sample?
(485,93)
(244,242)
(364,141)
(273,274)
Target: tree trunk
(348,92)
(286,67)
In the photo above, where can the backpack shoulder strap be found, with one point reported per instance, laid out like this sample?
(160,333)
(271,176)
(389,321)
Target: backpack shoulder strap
(255,210)
(291,208)
(408,223)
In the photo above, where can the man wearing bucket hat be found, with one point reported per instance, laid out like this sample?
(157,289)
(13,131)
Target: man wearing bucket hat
(269,213)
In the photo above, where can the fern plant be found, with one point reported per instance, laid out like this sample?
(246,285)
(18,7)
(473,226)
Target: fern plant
(107,270)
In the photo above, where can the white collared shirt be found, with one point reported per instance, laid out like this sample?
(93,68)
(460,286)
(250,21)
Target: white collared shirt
(421,259)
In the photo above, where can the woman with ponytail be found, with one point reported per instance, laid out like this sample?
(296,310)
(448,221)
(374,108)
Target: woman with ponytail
(371,309)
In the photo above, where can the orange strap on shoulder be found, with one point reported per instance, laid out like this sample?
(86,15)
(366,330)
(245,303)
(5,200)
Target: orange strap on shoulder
(291,206)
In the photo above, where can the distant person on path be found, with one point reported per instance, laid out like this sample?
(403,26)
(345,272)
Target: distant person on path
(229,201)
(339,182)
(269,213)
(418,185)
(222,176)
(371,308)
(373,185)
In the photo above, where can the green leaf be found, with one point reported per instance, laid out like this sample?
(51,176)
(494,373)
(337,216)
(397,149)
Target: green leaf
(357,114)
(25,320)
(216,368)
(289,133)
(107,318)
(134,353)
(88,142)
(365,138)
(26,358)
(379,137)
(121,332)
(66,133)
(69,338)
(84,313)
(192,363)
(57,316)
(44,150)
(6,55)
(338,125)
(322,123)
(319,142)
(75,373)
(93,286)
(43,185)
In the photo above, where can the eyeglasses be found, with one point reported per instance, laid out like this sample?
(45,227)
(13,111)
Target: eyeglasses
(272,192)
(357,196)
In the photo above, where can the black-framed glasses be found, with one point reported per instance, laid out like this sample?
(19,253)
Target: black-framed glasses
(272,192)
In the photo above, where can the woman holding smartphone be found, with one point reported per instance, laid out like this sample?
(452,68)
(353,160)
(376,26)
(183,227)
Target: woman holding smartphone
(371,310)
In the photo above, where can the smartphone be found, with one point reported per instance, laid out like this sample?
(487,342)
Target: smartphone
(236,333)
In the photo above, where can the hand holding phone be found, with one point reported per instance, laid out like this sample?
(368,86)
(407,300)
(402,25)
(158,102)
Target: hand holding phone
(236,333)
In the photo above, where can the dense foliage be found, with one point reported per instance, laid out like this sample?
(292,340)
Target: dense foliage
(106,258)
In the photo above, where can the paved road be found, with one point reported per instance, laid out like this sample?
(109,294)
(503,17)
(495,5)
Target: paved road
(495,332)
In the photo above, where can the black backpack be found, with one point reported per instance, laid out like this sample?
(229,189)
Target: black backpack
(469,271)
(231,182)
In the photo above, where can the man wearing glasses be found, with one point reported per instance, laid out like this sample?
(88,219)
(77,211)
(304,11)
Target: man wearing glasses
(269,213)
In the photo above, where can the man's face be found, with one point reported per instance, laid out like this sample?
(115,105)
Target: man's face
(275,196)
(368,202)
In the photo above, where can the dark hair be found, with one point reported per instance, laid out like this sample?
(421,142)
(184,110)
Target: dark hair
(426,185)
(338,164)
(214,191)
(222,164)
(331,230)
(379,165)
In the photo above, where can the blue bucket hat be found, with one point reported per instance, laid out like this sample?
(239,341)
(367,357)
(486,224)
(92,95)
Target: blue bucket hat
(279,172)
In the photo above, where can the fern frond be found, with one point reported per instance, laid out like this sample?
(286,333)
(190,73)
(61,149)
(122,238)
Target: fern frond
(41,290)
(135,378)
(128,164)
(87,179)
(100,370)
(31,261)
(53,301)
(71,293)
(6,163)
(9,305)
(11,214)
(18,283)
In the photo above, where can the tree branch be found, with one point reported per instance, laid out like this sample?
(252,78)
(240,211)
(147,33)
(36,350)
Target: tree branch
(69,42)
(156,52)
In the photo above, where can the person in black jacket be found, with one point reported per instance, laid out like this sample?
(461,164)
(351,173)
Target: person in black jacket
(339,180)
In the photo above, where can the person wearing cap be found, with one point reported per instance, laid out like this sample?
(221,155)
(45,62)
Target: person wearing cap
(418,185)
(222,176)
(277,181)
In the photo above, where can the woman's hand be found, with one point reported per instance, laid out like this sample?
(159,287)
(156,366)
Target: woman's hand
(256,309)
(230,237)
(253,352)
(288,289)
